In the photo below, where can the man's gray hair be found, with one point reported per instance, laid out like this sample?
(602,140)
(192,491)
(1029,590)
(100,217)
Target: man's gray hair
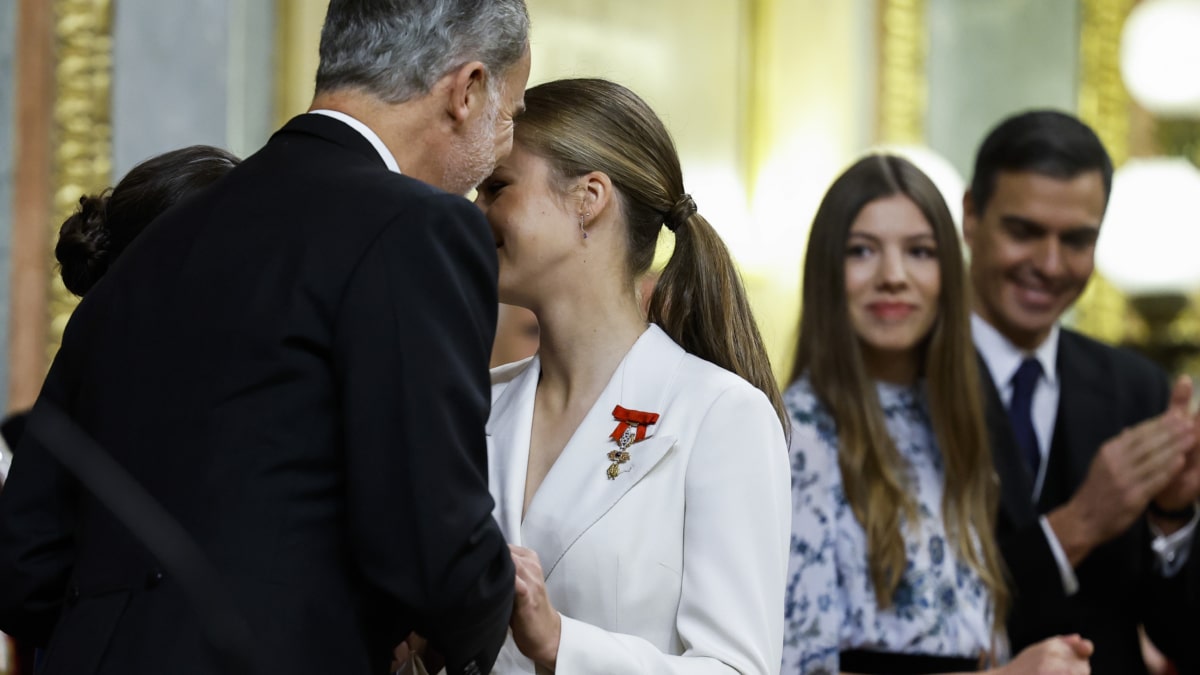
(398,49)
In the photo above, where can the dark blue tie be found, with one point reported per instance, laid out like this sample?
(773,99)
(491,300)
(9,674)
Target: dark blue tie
(1020,412)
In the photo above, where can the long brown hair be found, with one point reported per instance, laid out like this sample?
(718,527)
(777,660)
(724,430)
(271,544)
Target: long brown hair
(872,469)
(585,125)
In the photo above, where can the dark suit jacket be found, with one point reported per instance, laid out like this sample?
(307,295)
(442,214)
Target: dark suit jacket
(1102,391)
(294,363)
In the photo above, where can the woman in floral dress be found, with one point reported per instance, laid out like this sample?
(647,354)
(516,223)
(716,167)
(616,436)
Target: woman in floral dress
(894,568)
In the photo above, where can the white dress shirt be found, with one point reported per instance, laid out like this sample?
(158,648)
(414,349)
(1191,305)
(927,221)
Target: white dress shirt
(5,463)
(372,138)
(1003,358)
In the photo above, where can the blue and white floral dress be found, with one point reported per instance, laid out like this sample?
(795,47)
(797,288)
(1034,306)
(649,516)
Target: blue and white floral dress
(941,608)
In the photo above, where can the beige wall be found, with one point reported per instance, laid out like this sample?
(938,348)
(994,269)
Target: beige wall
(814,113)
(767,101)
(687,65)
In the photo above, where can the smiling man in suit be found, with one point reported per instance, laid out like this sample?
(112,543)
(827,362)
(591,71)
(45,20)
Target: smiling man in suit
(294,365)
(1097,457)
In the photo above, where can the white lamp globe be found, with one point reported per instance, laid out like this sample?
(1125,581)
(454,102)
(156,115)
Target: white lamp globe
(1150,239)
(1160,56)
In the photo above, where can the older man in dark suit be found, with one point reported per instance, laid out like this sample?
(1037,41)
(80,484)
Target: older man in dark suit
(294,365)
(1098,459)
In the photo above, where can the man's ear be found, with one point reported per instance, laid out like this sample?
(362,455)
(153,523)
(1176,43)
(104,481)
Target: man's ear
(970,218)
(466,91)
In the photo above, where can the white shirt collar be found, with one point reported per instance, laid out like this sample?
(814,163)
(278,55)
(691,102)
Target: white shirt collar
(366,132)
(5,460)
(1003,357)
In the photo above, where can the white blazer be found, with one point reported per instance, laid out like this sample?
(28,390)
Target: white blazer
(679,564)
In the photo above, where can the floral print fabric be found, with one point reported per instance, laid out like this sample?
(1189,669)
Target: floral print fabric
(941,607)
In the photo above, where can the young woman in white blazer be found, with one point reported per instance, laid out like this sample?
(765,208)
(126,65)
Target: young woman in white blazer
(638,463)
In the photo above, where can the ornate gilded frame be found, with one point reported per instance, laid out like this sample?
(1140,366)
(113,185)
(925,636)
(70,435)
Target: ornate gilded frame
(903,84)
(1103,311)
(82,129)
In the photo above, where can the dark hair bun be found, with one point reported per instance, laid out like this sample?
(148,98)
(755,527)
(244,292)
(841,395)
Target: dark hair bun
(83,244)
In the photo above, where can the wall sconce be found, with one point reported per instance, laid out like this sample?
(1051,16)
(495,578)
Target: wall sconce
(1149,248)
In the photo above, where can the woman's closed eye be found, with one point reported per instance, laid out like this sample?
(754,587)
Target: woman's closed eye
(493,187)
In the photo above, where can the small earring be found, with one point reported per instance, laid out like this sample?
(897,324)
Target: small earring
(581,219)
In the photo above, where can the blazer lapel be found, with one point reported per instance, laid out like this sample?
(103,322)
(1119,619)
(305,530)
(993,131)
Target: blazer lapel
(577,492)
(1087,415)
(1016,483)
(508,430)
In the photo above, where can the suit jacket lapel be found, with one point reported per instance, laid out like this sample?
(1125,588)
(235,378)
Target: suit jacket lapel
(1016,483)
(1087,412)
(576,492)
(508,429)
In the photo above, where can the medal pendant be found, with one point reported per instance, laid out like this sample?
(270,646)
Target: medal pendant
(632,428)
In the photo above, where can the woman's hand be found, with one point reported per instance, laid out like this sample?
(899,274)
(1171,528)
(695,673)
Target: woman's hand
(536,626)
(1063,655)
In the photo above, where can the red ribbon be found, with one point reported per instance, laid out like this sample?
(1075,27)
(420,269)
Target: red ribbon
(640,420)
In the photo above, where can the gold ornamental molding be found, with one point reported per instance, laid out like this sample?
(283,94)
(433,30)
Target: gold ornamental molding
(903,85)
(297,32)
(759,16)
(1103,101)
(82,134)
(1103,311)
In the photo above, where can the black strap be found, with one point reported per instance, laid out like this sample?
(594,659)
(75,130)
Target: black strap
(864,662)
(224,626)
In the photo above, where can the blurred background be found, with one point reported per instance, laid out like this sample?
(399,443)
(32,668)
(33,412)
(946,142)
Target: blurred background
(767,99)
